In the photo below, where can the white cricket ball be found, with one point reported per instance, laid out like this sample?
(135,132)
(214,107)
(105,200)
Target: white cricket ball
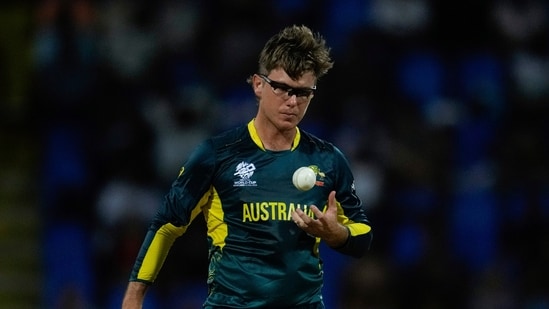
(304,178)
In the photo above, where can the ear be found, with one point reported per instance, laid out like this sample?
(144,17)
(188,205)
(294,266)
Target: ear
(257,85)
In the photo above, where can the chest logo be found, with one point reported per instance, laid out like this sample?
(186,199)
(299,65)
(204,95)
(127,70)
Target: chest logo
(245,171)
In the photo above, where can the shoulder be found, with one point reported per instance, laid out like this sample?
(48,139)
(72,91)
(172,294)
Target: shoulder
(316,143)
(229,137)
(310,143)
(218,147)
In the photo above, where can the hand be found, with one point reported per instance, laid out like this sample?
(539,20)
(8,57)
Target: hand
(325,225)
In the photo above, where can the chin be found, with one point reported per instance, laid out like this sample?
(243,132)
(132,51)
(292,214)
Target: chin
(288,123)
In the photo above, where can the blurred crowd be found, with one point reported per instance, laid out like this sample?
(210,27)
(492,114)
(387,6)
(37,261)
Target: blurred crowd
(442,109)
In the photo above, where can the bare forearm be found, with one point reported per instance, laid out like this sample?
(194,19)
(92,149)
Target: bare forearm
(135,294)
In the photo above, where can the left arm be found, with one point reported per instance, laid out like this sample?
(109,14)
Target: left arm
(343,225)
(347,237)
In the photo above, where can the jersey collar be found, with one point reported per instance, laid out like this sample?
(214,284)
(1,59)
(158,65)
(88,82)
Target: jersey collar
(257,140)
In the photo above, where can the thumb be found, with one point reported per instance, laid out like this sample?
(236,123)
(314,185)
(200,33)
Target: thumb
(332,203)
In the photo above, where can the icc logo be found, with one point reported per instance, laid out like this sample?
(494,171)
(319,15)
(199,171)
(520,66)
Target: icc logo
(244,170)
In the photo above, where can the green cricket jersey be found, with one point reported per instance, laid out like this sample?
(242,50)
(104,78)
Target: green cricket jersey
(258,257)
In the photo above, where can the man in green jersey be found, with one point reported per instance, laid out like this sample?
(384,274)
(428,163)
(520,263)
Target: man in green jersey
(263,232)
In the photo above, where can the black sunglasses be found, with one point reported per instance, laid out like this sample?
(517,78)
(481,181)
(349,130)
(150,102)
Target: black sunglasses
(281,89)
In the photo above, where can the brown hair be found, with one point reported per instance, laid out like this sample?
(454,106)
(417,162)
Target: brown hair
(297,50)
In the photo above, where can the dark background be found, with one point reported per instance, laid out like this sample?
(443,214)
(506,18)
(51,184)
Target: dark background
(441,107)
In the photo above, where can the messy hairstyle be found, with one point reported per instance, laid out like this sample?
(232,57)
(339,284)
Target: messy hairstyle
(296,50)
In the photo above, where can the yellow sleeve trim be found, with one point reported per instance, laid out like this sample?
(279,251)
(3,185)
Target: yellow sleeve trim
(158,250)
(354,227)
(162,242)
(359,228)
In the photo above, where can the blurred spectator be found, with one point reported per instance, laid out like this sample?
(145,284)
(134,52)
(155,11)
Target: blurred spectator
(66,69)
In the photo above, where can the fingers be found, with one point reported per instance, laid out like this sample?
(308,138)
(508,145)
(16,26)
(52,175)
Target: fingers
(317,212)
(300,218)
(332,200)
(303,220)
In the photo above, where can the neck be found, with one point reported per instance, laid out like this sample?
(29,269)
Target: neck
(274,139)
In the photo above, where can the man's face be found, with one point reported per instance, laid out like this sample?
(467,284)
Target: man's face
(283,101)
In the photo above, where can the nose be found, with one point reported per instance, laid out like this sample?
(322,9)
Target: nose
(292,99)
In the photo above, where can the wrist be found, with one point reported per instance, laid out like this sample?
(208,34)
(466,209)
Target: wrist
(339,238)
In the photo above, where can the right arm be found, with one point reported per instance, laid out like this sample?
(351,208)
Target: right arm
(135,294)
(180,207)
